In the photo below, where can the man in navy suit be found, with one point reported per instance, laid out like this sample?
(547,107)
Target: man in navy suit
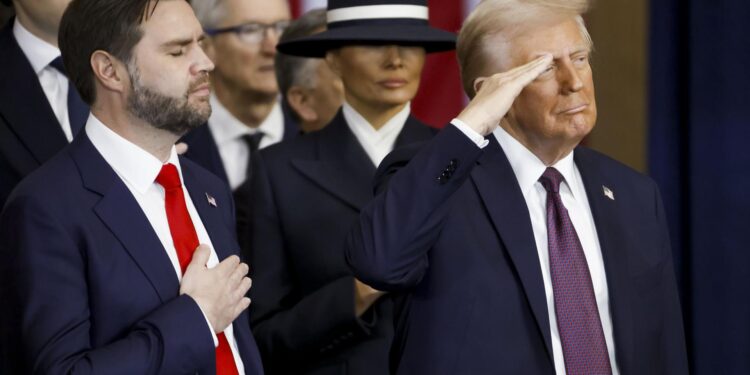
(518,251)
(248,114)
(35,121)
(102,270)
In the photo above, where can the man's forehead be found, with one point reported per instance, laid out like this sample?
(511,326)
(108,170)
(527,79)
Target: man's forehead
(170,20)
(265,11)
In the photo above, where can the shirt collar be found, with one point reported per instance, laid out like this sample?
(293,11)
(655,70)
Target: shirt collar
(39,52)
(227,128)
(528,167)
(133,164)
(394,125)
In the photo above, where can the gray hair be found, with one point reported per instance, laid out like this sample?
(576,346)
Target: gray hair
(210,13)
(492,17)
(299,71)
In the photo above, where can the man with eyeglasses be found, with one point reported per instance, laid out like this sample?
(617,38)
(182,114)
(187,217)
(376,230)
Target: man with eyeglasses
(247,113)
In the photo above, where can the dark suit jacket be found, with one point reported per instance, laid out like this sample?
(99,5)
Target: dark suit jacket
(450,227)
(87,288)
(29,131)
(202,147)
(307,193)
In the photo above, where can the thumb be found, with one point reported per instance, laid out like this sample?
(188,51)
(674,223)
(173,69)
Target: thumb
(200,256)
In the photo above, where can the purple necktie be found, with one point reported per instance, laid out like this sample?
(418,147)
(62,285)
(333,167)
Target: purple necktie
(581,334)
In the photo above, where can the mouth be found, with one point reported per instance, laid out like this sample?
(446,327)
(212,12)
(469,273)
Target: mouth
(393,83)
(202,90)
(266,68)
(575,109)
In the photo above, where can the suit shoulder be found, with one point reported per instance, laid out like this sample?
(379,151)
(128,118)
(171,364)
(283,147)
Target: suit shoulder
(613,169)
(59,174)
(301,146)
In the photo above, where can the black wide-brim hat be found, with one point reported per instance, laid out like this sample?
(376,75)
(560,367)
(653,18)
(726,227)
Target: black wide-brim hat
(372,22)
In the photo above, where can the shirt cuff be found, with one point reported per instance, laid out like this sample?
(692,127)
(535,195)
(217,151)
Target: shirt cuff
(213,334)
(475,137)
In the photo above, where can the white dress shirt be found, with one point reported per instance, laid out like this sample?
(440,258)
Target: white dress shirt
(376,142)
(138,170)
(228,131)
(54,84)
(528,168)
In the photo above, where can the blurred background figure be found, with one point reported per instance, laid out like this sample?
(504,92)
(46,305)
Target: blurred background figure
(309,313)
(247,114)
(40,111)
(307,85)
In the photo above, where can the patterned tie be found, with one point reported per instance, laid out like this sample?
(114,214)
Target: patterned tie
(583,344)
(185,241)
(78,111)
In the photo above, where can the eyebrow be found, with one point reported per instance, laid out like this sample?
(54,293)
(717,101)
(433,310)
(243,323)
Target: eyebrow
(182,42)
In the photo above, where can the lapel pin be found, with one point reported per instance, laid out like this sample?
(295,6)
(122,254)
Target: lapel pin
(211,200)
(608,193)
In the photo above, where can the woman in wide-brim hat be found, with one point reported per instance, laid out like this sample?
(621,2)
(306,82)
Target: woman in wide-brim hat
(309,314)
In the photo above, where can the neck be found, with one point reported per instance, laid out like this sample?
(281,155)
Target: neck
(46,34)
(250,107)
(376,115)
(155,141)
(548,151)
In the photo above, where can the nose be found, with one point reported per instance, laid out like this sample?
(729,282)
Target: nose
(569,77)
(202,63)
(393,58)
(270,39)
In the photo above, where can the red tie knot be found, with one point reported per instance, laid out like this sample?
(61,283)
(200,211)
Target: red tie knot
(168,177)
(551,180)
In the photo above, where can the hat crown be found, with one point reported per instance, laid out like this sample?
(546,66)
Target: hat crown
(342,12)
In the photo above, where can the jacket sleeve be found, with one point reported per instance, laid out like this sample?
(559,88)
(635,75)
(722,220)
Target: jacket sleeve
(292,325)
(388,248)
(46,312)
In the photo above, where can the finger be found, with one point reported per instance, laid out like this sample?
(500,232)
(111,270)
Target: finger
(535,70)
(245,285)
(478,83)
(237,274)
(181,148)
(243,304)
(227,266)
(541,61)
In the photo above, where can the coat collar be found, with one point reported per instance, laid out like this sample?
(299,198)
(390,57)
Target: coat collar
(24,105)
(340,164)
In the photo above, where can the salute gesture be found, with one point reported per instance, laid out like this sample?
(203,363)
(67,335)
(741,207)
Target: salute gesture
(495,94)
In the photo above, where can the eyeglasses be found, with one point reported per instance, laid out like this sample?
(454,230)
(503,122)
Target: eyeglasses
(251,32)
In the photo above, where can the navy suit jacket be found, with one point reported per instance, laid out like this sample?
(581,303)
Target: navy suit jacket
(87,287)
(306,195)
(202,147)
(450,228)
(29,131)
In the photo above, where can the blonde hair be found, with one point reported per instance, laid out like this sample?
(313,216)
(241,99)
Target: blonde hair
(492,17)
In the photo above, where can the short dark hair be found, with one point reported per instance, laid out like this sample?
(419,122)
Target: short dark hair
(88,26)
(291,70)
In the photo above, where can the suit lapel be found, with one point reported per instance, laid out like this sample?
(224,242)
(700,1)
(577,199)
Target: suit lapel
(497,186)
(121,213)
(24,105)
(414,131)
(341,166)
(609,230)
(211,216)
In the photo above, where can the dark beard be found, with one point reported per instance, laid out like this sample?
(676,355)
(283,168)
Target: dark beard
(173,114)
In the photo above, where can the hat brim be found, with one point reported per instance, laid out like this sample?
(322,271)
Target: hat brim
(432,39)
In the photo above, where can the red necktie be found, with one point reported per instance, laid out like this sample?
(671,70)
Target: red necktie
(581,333)
(185,242)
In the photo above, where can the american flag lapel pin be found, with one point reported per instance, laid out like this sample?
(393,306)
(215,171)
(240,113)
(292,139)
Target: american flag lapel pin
(211,200)
(608,193)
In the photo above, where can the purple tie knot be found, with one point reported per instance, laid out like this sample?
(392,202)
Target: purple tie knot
(551,180)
